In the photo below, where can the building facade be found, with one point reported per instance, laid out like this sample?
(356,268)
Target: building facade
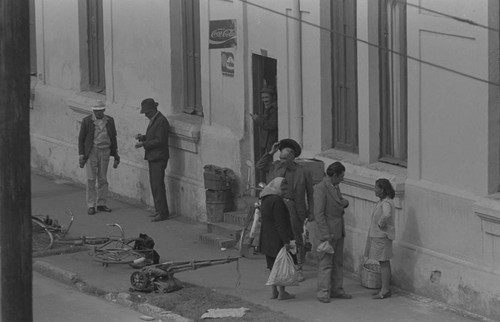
(405,90)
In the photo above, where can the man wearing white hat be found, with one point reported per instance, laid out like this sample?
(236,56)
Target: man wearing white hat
(96,142)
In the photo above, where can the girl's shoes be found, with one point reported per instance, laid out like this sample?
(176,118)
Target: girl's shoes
(285,296)
(380,296)
(274,293)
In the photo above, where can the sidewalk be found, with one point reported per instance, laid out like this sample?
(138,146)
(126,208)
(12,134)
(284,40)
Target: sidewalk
(178,239)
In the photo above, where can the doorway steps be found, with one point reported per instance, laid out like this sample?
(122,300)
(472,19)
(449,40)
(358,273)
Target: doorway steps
(226,233)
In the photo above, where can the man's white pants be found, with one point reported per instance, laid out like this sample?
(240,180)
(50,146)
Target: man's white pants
(97,172)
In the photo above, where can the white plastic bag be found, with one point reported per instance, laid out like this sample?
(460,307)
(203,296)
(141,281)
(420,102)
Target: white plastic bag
(283,272)
(325,247)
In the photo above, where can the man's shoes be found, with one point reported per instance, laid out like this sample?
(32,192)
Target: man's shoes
(154,214)
(159,218)
(91,211)
(104,208)
(342,296)
(323,300)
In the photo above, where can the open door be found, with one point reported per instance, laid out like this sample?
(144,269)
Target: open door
(264,80)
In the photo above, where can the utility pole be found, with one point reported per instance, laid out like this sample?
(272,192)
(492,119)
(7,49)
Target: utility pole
(15,173)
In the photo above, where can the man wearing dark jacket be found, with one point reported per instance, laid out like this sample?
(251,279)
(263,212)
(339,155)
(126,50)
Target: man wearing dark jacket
(299,196)
(155,144)
(96,142)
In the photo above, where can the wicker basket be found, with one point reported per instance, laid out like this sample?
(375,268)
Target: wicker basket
(370,275)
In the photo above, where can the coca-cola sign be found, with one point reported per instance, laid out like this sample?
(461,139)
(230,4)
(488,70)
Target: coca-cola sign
(222,34)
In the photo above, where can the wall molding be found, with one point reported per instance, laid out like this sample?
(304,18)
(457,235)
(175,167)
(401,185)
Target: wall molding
(185,131)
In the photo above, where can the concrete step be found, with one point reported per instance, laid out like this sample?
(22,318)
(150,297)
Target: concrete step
(237,217)
(217,240)
(226,230)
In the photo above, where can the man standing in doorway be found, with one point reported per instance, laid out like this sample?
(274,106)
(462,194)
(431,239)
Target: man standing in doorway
(268,120)
(155,144)
(267,123)
(96,142)
(300,188)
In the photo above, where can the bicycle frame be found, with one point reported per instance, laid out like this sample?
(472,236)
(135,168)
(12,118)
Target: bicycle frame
(45,231)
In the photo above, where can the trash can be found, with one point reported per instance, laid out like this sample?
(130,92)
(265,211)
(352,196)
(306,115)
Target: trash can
(218,191)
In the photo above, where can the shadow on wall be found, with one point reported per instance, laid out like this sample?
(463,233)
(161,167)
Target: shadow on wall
(350,253)
(405,259)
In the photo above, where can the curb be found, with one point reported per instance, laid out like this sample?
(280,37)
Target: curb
(59,251)
(123,298)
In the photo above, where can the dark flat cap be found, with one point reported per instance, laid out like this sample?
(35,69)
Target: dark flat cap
(148,104)
(292,144)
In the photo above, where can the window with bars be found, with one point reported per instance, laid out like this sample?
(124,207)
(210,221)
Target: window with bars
(95,41)
(344,75)
(393,82)
(191,44)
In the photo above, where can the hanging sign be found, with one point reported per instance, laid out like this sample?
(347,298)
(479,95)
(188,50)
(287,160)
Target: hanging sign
(222,34)
(227,63)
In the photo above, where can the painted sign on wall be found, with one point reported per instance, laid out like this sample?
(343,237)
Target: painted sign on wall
(222,34)
(227,63)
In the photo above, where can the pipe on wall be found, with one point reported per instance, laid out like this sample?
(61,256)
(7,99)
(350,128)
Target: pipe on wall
(296,86)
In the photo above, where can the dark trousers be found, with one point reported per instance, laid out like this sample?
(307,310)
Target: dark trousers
(157,181)
(331,271)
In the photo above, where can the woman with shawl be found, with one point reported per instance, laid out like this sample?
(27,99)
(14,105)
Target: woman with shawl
(276,230)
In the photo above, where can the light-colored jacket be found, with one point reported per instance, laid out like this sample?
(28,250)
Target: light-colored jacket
(329,211)
(382,224)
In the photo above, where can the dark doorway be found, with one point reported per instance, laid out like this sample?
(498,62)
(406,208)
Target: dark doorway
(264,80)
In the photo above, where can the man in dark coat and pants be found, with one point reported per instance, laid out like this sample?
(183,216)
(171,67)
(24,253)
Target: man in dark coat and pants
(299,196)
(155,144)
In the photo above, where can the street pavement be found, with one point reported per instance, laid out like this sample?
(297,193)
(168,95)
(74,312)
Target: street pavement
(177,239)
(54,301)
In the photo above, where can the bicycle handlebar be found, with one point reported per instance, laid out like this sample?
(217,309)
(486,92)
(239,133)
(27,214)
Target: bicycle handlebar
(122,232)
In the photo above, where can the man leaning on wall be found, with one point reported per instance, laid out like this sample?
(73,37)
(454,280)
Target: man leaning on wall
(156,152)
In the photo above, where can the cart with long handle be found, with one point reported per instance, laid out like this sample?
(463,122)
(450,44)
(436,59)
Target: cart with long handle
(160,277)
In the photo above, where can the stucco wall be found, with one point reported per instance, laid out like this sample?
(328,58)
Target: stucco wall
(444,108)
(58,19)
(139,43)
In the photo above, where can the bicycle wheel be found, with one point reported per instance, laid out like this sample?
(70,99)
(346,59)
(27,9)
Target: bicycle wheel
(126,244)
(118,256)
(41,237)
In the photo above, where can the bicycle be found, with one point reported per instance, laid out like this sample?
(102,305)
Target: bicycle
(121,250)
(107,250)
(44,231)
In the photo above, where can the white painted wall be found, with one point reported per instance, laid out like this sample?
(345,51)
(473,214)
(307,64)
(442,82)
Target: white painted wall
(57,25)
(445,108)
(140,42)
